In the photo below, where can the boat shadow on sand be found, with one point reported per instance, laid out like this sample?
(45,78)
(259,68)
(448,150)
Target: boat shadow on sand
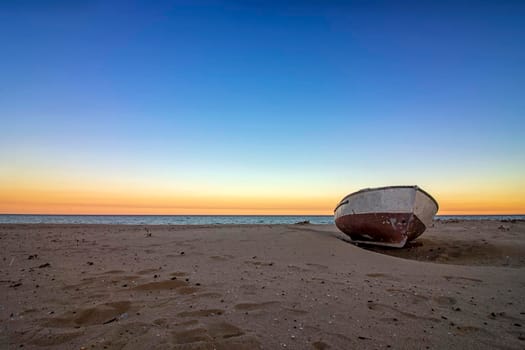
(452,251)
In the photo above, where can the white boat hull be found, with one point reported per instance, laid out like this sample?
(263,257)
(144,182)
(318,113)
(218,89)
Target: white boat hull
(389,216)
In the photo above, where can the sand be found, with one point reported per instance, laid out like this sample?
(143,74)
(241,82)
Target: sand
(461,285)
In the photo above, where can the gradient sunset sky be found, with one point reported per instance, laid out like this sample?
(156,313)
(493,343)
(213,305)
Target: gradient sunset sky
(259,107)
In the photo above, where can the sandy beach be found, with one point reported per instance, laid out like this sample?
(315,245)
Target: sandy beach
(461,285)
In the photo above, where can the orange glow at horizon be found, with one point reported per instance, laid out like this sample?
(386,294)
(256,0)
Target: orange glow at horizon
(45,202)
(30,201)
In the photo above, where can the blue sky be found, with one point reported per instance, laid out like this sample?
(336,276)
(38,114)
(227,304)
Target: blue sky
(333,96)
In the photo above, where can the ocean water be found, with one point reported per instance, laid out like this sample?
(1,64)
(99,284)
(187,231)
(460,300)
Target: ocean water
(480,217)
(164,219)
(204,219)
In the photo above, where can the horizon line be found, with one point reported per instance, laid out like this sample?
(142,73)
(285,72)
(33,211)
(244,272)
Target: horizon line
(20,214)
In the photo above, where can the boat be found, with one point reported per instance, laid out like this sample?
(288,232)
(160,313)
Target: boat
(387,216)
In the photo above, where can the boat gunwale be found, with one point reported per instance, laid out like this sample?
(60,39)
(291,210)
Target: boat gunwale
(417,188)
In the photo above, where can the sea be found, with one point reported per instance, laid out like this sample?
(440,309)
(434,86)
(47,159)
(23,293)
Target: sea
(205,219)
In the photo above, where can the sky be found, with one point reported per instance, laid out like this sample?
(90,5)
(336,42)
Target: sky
(259,107)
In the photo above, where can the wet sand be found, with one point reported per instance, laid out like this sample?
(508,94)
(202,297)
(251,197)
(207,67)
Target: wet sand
(460,285)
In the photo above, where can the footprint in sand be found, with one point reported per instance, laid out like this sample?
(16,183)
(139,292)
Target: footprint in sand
(224,330)
(84,282)
(113,272)
(214,335)
(258,263)
(319,266)
(169,284)
(120,336)
(319,345)
(161,322)
(295,311)
(221,257)
(100,314)
(148,271)
(468,330)
(376,274)
(201,313)
(254,306)
(191,336)
(444,300)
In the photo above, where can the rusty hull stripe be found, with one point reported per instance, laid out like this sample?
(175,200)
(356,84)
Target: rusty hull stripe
(381,227)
